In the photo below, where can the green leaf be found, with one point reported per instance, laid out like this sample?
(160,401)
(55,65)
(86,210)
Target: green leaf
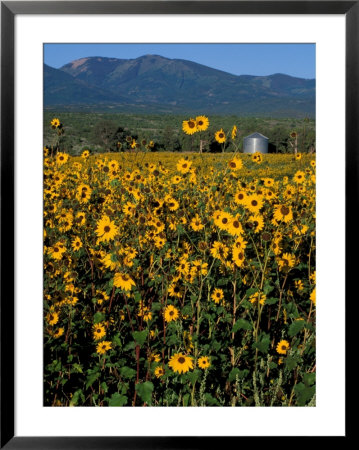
(98,317)
(137,296)
(295,327)
(241,324)
(145,390)
(263,344)
(91,379)
(127,372)
(116,339)
(185,399)
(211,401)
(267,288)
(129,346)
(193,376)
(233,373)
(309,379)
(291,362)
(77,368)
(303,393)
(271,301)
(140,336)
(117,400)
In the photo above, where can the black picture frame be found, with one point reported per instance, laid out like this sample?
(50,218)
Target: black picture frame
(9,9)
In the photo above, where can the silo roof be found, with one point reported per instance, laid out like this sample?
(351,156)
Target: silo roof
(256,136)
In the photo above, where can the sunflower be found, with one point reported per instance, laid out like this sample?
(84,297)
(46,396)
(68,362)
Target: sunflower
(235,163)
(234,133)
(217,295)
(258,297)
(52,318)
(171,313)
(145,313)
(240,197)
(202,123)
(189,126)
(220,136)
(224,220)
(283,213)
(61,158)
(85,154)
(219,250)
(286,261)
(313,296)
(204,362)
(55,123)
(159,371)
(256,222)
(129,209)
(83,193)
(184,267)
(123,281)
(181,363)
(172,204)
(238,256)
(106,229)
(298,156)
(57,251)
(257,157)
(154,357)
(299,177)
(254,203)
(60,331)
(76,244)
(103,347)
(235,227)
(183,165)
(282,347)
(199,268)
(196,223)
(99,331)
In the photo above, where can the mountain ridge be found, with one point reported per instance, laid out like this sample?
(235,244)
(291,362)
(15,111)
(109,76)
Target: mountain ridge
(161,83)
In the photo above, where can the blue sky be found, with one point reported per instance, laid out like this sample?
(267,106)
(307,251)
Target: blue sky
(239,59)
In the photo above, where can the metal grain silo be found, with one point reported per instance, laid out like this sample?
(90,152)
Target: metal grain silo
(255,142)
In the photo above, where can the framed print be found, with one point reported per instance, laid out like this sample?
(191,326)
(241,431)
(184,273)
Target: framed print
(189,213)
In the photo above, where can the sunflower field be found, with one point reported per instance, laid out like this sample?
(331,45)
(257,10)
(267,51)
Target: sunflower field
(179,280)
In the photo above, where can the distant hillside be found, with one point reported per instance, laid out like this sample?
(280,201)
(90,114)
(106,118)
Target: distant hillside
(153,83)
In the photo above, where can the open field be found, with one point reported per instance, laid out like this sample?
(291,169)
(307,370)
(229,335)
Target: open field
(179,279)
(100,132)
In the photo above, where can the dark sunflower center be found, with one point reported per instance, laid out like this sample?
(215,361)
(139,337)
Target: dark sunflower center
(224,220)
(235,224)
(254,203)
(232,164)
(56,249)
(107,229)
(181,360)
(191,124)
(284,210)
(221,135)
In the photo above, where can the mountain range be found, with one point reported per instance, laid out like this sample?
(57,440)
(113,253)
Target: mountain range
(155,84)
